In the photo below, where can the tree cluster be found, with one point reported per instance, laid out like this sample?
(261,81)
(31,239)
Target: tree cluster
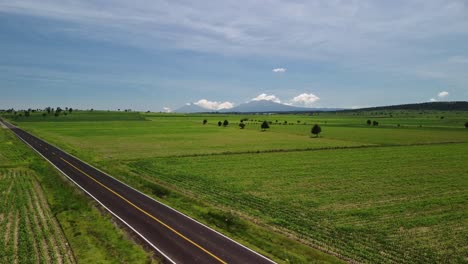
(374,123)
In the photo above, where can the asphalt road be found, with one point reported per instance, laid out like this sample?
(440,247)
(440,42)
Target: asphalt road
(178,238)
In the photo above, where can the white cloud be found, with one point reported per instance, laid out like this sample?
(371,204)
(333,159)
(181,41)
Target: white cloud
(311,29)
(267,97)
(280,70)
(212,105)
(458,59)
(167,109)
(443,94)
(305,99)
(432,100)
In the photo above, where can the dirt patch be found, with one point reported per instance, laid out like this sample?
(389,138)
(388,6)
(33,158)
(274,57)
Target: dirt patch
(6,239)
(15,237)
(45,250)
(29,229)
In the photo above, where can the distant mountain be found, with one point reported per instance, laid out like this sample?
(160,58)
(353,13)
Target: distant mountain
(192,108)
(263,106)
(441,106)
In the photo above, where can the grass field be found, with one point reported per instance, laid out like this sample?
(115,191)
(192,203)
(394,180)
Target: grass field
(392,193)
(44,219)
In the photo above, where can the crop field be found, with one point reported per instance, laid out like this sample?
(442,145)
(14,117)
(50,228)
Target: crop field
(396,203)
(396,192)
(29,232)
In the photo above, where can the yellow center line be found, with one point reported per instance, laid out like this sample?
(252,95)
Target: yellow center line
(146,213)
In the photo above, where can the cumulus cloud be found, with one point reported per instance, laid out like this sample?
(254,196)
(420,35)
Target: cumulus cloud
(213,105)
(432,100)
(267,97)
(305,99)
(167,109)
(443,94)
(279,70)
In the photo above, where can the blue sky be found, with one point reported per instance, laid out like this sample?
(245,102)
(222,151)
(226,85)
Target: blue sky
(155,55)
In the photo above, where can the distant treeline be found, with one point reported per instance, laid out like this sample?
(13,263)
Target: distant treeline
(439,106)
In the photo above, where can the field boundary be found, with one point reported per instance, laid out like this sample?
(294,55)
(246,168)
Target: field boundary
(301,150)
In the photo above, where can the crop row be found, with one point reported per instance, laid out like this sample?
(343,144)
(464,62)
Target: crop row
(29,233)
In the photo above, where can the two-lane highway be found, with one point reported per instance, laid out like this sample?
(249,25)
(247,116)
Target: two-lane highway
(178,238)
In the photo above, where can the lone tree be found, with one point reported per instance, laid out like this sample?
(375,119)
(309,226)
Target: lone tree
(205,121)
(242,125)
(265,126)
(225,123)
(375,123)
(369,122)
(220,123)
(466,125)
(316,129)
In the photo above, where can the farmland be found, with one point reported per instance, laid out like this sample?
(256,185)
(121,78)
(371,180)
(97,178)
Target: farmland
(390,193)
(29,231)
(44,219)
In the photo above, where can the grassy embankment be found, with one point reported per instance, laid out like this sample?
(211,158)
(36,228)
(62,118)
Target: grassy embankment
(44,219)
(399,193)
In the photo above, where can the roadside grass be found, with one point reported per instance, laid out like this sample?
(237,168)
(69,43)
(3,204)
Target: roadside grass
(45,219)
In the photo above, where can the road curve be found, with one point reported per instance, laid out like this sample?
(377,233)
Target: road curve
(173,235)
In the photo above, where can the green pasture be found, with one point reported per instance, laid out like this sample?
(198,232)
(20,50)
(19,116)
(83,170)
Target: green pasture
(389,193)
(407,204)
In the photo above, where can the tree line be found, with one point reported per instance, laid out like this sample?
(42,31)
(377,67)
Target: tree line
(316,129)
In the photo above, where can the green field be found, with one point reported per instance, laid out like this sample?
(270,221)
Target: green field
(45,219)
(392,193)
